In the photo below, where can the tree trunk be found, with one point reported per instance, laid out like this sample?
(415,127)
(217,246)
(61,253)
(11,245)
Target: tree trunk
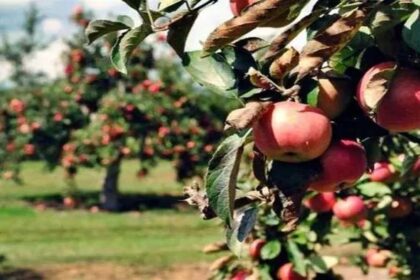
(109,197)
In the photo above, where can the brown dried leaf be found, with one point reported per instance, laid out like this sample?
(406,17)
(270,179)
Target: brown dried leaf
(279,21)
(290,212)
(245,117)
(331,40)
(215,247)
(283,64)
(196,197)
(252,44)
(258,166)
(377,88)
(221,262)
(256,15)
(284,38)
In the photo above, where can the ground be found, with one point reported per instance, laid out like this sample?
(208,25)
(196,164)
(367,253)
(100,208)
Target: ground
(160,240)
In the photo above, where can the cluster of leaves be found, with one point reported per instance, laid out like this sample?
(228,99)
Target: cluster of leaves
(345,37)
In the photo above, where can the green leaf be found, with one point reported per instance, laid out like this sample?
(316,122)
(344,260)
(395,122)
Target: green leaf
(312,98)
(99,28)
(126,44)
(297,257)
(407,164)
(417,2)
(211,71)
(222,175)
(411,31)
(239,59)
(372,189)
(169,5)
(126,20)
(135,4)
(271,250)
(321,264)
(242,225)
(178,33)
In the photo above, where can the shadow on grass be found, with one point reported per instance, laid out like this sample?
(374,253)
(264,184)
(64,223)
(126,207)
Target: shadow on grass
(20,274)
(128,202)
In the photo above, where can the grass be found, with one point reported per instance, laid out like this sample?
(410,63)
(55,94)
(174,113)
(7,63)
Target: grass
(154,238)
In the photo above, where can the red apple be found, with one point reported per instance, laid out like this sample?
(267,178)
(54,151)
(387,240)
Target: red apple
(69,202)
(334,96)
(377,258)
(16,105)
(321,203)
(393,271)
(382,172)
(58,117)
(25,128)
(238,5)
(342,164)
(286,272)
(240,275)
(398,111)
(29,149)
(10,147)
(400,207)
(351,209)
(416,167)
(255,248)
(77,11)
(292,132)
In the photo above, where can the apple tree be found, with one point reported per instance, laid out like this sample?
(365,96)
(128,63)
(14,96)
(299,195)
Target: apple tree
(95,117)
(149,114)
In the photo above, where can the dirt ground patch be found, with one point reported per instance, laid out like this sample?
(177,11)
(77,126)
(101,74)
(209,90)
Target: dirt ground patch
(106,271)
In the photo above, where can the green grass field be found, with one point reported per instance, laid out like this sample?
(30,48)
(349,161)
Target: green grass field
(153,238)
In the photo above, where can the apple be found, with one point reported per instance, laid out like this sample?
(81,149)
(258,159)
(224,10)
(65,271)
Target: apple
(382,172)
(400,207)
(342,164)
(8,175)
(125,151)
(69,202)
(77,55)
(94,209)
(240,275)
(69,147)
(398,111)
(77,11)
(351,209)
(17,106)
(321,202)
(35,126)
(292,132)
(286,272)
(393,271)
(416,167)
(334,96)
(238,5)
(255,248)
(376,257)
(154,88)
(208,148)
(10,147)
(29,149)
(190,144)
(58,117)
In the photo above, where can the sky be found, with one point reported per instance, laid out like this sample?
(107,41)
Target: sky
(56,25)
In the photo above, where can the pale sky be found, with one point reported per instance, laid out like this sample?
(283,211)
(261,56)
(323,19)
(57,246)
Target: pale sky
(56,25)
